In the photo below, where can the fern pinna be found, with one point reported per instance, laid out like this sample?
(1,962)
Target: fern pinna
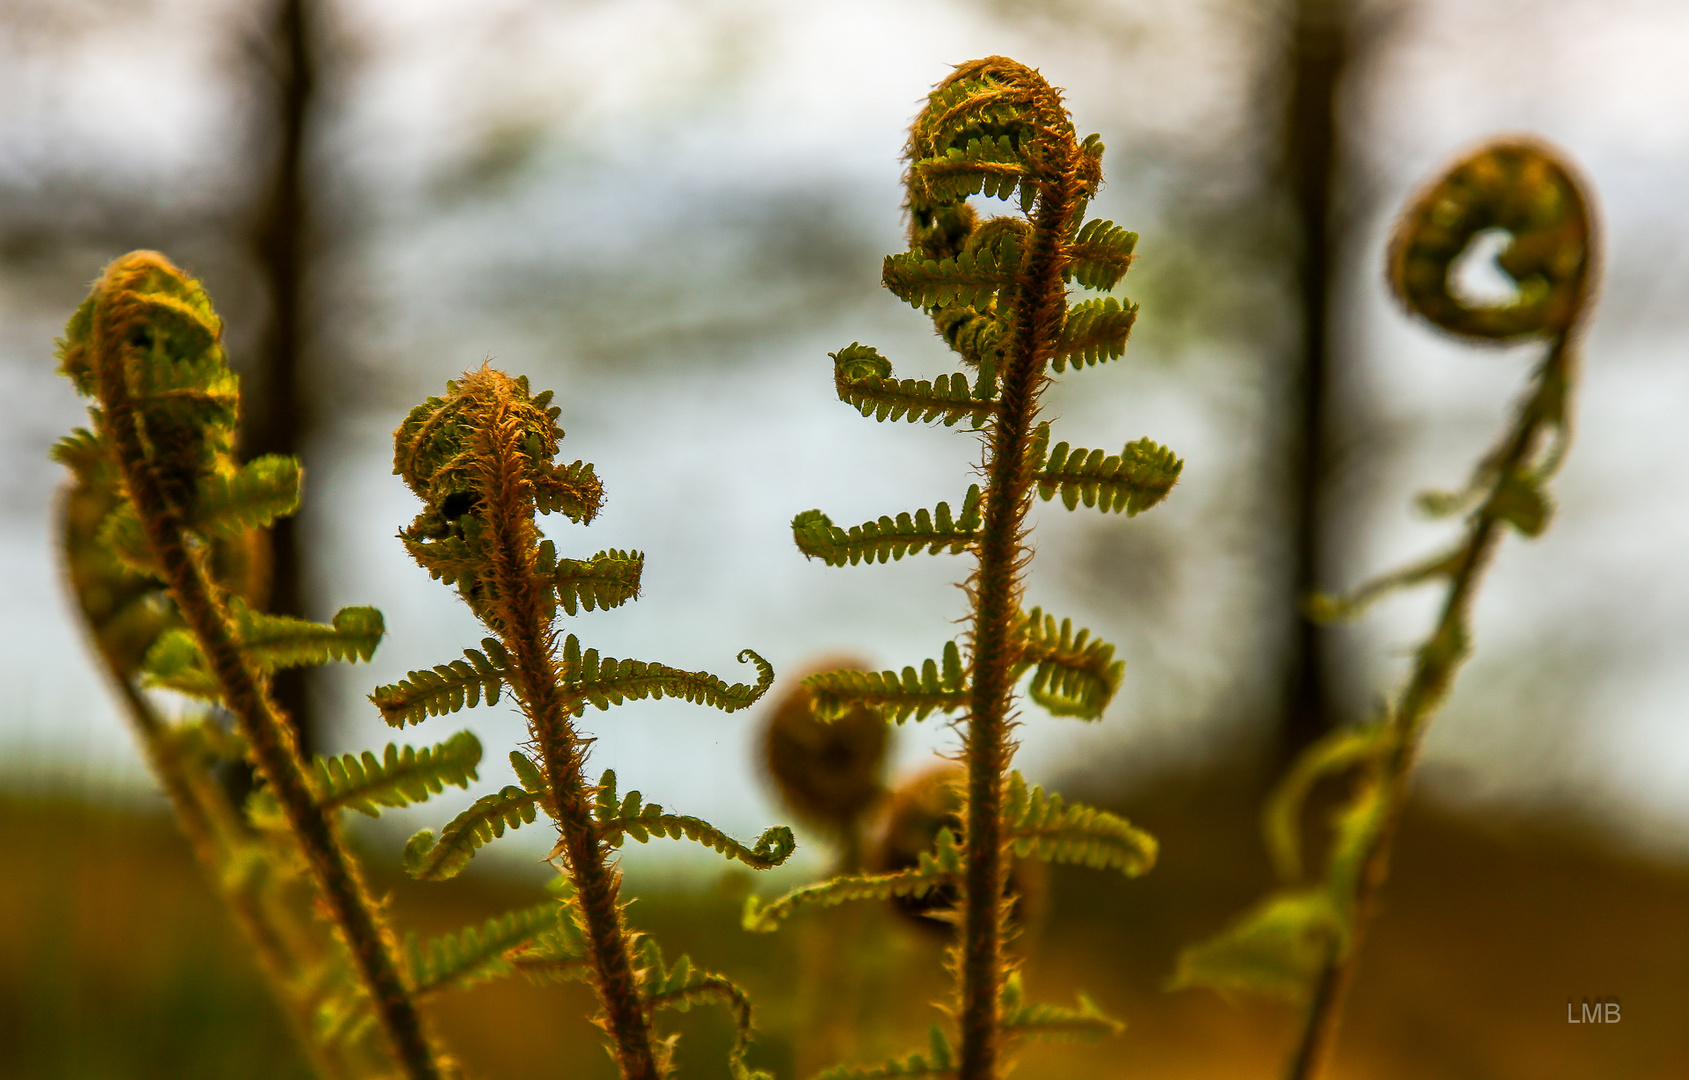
(164,544)
(997,292)
(482,460)
(1300,942)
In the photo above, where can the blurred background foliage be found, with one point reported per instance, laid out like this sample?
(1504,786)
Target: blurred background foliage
(670,212)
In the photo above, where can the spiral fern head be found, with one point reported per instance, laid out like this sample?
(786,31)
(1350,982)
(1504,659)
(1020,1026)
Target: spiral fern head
(487,449)
(828,772)
(1524,189)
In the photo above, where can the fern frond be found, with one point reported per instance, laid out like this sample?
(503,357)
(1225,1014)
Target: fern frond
(940,866)
(175,662)
(572,490)
(1042,825)
(603,682)
(971,279)
(863,380)
(1274,948)
(889,538)
(400,777)
(1073,674)
(281,641)
(1336,751)
(445,688)
(1055,1022)
(1335,607)
(934,688)
(682,986)
(608,579)
(938,1061)
(476,954)
(262,490)
(436,860)
(121,534)
(1095,330)
(629,817)
(1100,255)
(1139,477)
(989,166)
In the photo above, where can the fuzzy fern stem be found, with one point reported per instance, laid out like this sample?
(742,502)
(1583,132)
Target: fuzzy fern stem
(521,607)
(120,339)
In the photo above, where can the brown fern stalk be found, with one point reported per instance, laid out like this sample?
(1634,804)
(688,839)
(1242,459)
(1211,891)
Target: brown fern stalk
(520,603)
(1037,311)
(119,340)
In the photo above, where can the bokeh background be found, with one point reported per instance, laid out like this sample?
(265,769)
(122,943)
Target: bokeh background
(670,213)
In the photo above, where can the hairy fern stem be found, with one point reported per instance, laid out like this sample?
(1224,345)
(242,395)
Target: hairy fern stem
(117,322)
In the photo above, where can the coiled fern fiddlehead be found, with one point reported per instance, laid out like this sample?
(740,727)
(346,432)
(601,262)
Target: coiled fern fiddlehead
(1300,942)
(996,290)
(146,345)
(482,460)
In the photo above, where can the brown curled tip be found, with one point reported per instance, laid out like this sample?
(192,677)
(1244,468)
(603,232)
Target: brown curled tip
(829,773)
(1526,189)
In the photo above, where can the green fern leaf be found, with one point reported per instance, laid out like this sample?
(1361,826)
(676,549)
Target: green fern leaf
(1521,502)
(476,954)
(863,380)
(281,641)
(400,777)
(971,279)
(886,539)
(1095,330)
(940,866)
(262,490)
(682,986)
(605,681)
(935,688)
(1273,949)
(1042,825)
(1100,255)
(1054,1022)
(1335,607)
(431,860)
(989,166)
(1139,477)
(445,688)
(1073,674)
(572,490)
(938,1061)
(1335,752)
(618,818)
(608,579)
(121,534)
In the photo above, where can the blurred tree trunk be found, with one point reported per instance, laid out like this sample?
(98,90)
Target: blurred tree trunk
(1318,51)
(277,401)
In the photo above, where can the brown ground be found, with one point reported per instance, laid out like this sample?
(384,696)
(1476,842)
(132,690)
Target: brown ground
(115,962)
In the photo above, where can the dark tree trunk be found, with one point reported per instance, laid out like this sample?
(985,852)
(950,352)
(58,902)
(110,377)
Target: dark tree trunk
(1318,49)
(276,400)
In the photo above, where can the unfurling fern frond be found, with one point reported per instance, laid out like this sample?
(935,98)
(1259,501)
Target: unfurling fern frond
(1095,330)
(572,490)
(400,777)
(608,579)
(939,1060)
(1139,477)
(603,682)
(935,688)
(262,490)
(445,688)
(485,821)
(476,954)
(618,817)
(1073,674)
(971,279)
(889,538)
(176,662)
(863,379)
(940,866)
(1101,254)
(1053,1022)
(1043,826)
(682,986)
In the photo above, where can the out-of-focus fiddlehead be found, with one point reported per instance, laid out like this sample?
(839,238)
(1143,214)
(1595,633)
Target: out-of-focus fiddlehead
(174,507)
(1300,942)
(997,292)
(482,459)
